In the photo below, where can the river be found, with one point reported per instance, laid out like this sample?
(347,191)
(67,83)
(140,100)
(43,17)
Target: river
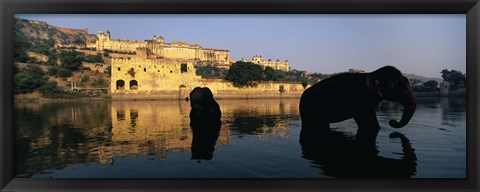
(258,138)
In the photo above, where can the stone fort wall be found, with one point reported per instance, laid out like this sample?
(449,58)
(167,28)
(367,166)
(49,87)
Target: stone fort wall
(175,79)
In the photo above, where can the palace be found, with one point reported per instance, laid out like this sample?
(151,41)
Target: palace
(277,65)
(157,48)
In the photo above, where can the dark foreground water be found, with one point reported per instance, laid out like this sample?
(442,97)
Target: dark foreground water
(257,139)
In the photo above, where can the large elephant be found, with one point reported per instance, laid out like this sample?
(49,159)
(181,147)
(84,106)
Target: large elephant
(356,95)
(205,110)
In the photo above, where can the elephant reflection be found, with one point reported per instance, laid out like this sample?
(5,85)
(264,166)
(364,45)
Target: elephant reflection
(204,140)
(205,121)
(341,156)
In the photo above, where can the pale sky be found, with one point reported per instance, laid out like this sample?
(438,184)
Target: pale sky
(419,44)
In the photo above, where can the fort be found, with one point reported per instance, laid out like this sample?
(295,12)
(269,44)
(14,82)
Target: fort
(142,78)
(167,70)
(157,48)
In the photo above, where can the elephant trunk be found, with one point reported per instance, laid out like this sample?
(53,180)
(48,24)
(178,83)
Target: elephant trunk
(408,100)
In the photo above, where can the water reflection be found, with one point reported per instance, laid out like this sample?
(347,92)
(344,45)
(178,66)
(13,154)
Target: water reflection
(257,138)
(53,136)
(339,155)
(204,140)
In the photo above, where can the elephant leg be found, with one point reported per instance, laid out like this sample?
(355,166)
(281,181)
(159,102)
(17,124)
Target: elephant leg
(368,129)
(315,124)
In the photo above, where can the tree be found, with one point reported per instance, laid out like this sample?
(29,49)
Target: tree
(71,60)
(79,41)
(281,89)
(52,71)
(29,79)
(270,74)
(431,84)
(453,77)
(21,46)
(243,74)
(64,73)
(94,58)
(51,90)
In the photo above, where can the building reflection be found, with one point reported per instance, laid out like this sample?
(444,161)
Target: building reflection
(153,128)
(53,136)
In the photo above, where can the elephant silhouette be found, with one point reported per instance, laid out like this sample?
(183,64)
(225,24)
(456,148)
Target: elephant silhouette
(351,159)
(205,122)
(356,95)
(205,110)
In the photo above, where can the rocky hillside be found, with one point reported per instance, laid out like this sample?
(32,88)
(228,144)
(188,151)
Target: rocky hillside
(41,30)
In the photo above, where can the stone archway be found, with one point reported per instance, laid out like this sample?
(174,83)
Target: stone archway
(133,85)
(120,84)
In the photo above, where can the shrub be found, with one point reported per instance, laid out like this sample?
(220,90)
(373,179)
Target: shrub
(26,82)
(51,91)
(85,78)
(64,73)
(52,71)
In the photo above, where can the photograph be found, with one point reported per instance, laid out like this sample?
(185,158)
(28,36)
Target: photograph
(242,96)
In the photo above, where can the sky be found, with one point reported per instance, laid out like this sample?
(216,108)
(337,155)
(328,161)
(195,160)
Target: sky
(420,44)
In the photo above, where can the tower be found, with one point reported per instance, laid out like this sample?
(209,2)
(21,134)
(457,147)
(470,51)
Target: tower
(102,39)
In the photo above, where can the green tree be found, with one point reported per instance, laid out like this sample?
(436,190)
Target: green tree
(85,78)
(431,84)
(94,58)
(270,74)
(64,73)
(52,71)
(453,77)
(51,91)
(281,89)
(21,46)
(243,74)
(71,60)
(29,79)
(79,41)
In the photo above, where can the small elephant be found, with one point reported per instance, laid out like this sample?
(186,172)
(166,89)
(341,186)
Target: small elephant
(205,110)
(354,95)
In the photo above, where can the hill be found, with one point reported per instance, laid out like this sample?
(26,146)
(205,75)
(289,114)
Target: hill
(61,36)
(422,78)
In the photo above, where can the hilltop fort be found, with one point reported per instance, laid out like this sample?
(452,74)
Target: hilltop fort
(157,48)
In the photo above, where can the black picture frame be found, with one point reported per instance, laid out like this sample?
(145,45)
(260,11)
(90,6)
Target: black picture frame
(11,7)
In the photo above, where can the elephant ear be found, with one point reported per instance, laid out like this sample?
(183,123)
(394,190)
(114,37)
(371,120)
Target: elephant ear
(374,85)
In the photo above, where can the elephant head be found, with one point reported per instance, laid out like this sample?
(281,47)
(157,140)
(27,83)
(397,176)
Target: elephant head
(389,83)
(201,97)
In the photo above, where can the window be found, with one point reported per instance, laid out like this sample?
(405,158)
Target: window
(133,85)
(183,68)
(120,85)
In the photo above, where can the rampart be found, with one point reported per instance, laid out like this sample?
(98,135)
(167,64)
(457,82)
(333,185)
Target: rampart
(138,78)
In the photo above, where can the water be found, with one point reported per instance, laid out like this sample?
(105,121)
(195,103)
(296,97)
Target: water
(257,139)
